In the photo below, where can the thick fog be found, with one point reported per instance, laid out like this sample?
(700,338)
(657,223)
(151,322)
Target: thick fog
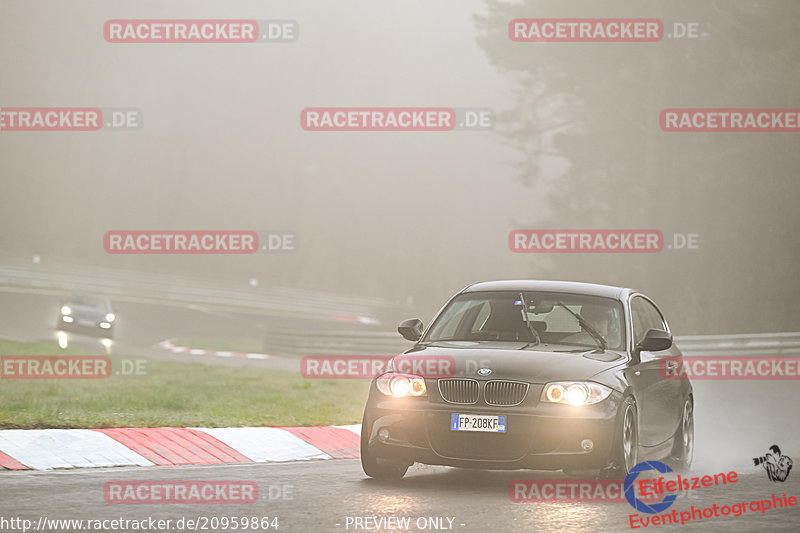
(414,216)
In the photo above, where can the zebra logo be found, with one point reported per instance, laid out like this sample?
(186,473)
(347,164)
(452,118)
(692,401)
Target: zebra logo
(777,466)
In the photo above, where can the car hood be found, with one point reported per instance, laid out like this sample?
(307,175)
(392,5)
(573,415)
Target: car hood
(87,311)
(510,362)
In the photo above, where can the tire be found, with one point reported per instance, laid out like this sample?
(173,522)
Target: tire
(382,469)
(683,449)
(625,450)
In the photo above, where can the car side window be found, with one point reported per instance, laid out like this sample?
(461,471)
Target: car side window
(638,321)
(482,317)
(645,316)
(655,319)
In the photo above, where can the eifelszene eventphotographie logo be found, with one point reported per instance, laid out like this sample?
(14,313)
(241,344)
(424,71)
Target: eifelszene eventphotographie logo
(777,466)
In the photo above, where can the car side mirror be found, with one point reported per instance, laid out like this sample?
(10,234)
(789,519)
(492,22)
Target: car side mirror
(655,340)
(411,329)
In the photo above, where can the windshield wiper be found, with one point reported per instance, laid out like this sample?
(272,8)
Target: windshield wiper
(588,327)
(530,326)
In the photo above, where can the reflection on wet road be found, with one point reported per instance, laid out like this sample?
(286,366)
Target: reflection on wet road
(326,493)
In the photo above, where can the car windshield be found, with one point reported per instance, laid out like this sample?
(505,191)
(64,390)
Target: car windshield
(500,316)
(90,300)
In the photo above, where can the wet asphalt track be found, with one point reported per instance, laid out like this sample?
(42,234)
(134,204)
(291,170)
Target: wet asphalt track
(735,421)
(321,495)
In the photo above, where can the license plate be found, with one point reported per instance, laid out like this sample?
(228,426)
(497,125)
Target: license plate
(85,322)
(487,423)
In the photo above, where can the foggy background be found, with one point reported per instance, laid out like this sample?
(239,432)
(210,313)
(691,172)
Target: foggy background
(415,216)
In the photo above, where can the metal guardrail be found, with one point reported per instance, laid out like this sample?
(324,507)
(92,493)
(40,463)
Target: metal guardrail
(121,283)
(304,342)
(753,344)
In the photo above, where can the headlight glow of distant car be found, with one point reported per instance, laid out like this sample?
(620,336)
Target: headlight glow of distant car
(400,385)
(66,310)
(575,392)
(110,317)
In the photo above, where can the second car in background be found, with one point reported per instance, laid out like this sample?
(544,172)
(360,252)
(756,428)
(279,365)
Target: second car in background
(87,313)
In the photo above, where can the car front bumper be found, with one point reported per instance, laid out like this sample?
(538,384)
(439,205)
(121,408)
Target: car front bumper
(539,435)
(89,326)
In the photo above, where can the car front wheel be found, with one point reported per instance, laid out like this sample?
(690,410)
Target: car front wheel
(625,452)
(383,469)
(683,449)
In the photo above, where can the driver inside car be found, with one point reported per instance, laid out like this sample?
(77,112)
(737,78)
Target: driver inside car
(601,319)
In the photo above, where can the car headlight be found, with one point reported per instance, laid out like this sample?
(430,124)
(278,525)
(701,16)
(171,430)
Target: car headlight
(110,317)
(575,392)
(400,385)
(66,310)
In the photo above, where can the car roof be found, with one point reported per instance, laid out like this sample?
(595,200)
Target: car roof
(572,287)
(88,299)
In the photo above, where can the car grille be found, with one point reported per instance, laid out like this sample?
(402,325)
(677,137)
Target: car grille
(459,390)
(505,392)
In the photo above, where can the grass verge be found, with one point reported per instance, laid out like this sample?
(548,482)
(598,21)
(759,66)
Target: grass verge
(174,394)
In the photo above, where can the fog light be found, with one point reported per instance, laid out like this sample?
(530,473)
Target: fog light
(587,445)
(383,434)
(67,319)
